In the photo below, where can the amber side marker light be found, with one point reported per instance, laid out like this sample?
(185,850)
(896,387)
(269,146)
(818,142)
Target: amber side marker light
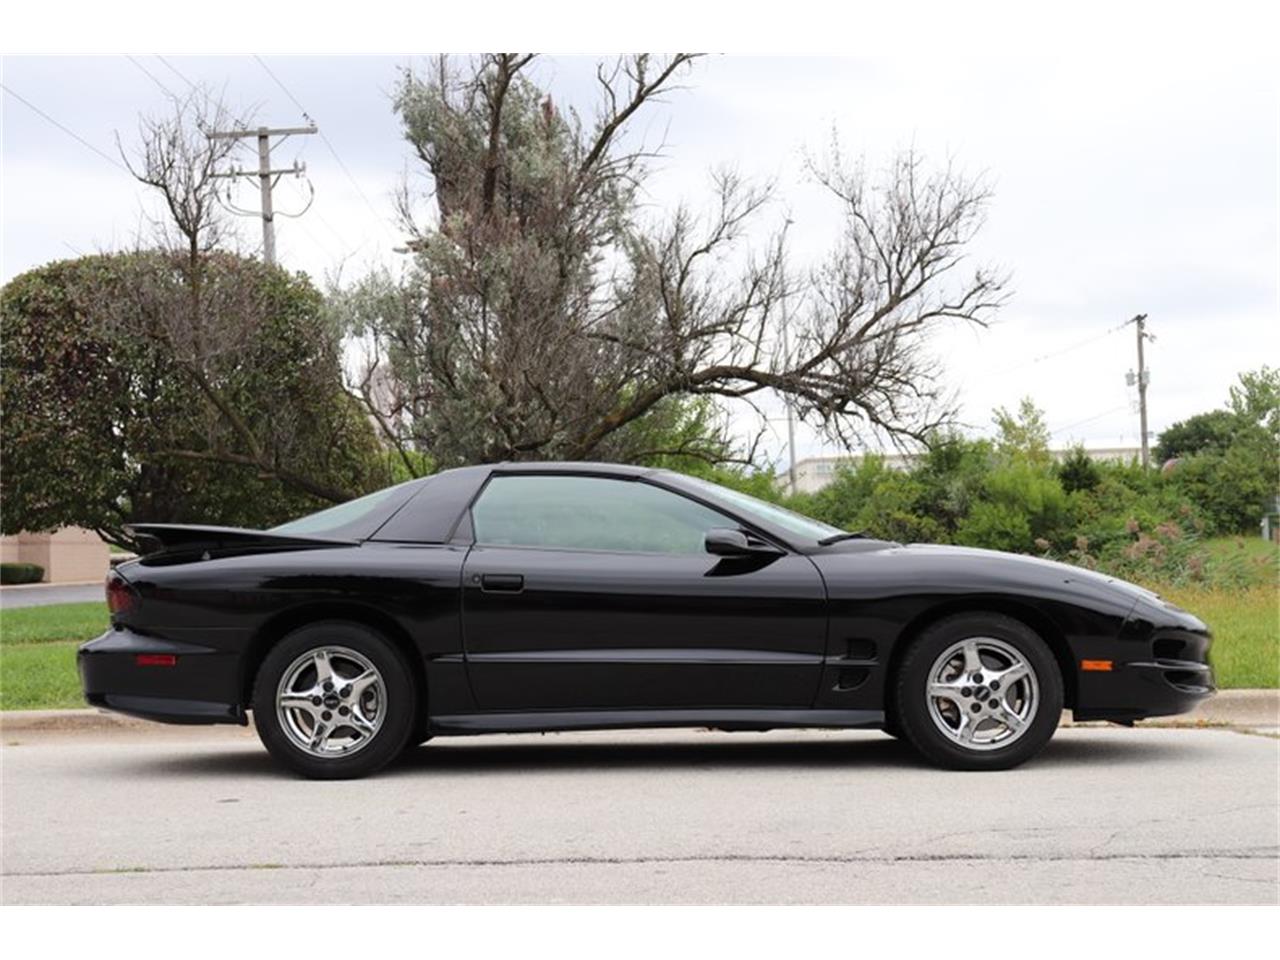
(1099,665)
(156,660)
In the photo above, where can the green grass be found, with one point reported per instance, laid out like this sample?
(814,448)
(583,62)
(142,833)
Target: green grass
(1246,631)
(38,653)
(1252,560)
(39,676)
(58,621)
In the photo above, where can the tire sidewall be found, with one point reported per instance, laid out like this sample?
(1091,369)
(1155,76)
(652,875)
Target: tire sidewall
(400,699)
(911,701)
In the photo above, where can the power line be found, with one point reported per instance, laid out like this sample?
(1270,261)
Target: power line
(1056,353)
(324,139)
(67,130)
(151,76)
(1096,416)
(178,73)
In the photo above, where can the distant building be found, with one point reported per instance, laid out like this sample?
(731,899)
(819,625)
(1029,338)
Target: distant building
(814,473)
(67,555)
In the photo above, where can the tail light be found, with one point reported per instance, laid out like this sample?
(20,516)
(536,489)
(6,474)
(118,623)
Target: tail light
(156,660)
(121,598)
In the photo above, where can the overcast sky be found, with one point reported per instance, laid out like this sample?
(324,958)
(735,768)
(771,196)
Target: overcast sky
(1125,184)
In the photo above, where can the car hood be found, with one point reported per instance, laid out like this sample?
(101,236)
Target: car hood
(868,566)
(1035,567)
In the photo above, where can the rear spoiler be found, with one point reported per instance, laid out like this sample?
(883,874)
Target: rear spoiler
(173,537)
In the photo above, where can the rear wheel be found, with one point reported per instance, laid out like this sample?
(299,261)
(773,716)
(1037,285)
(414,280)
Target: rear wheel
(978,691)
(334,700)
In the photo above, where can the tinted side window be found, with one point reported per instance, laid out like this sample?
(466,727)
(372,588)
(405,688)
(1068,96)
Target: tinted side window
(591,513)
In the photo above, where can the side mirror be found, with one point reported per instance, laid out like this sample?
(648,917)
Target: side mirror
(727,542)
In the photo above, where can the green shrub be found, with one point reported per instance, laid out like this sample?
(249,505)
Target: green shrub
(1021,503)
(1077,471)
(21,573)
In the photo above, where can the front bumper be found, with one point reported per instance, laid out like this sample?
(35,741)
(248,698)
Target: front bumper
(1168,672)
(192,690)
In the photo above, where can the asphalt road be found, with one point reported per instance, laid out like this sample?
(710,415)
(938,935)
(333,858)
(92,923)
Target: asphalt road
(202,816)
(43,594)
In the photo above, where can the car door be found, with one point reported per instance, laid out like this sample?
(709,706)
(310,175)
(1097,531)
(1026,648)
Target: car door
(595,592)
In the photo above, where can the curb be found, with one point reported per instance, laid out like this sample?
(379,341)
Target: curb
(1233,708)
(5,588)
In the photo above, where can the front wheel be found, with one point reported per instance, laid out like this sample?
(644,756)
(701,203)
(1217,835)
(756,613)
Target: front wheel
(334,700)
(978,691)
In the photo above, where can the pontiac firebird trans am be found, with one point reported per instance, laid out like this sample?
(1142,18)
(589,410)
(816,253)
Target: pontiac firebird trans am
(574,596)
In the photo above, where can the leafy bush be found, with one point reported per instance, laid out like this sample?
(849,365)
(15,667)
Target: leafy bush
(1231,488)
(21,573)
(1077,471)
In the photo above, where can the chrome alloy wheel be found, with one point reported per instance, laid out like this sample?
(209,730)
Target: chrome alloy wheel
(983,694)
(331,701)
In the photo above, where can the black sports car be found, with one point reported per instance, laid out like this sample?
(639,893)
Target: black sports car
(575,596)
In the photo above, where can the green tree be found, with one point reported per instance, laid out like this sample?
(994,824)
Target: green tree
(1023,435)
(107,419)
(1210,432)
(1021,503)
(1077,471)
(952,473)
(1230,458)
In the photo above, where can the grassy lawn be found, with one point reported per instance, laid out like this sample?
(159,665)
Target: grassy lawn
(39,676)
(59,621)
(1246,631)
(38,644)
(38,653)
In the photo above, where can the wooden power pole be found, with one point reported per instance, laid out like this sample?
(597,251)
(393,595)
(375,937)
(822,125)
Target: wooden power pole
(1140,321)
(266,176)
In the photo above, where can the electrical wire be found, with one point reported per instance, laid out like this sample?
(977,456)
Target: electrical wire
(65,129)
(323,139)
(1081,423)
(178,73)
(152,77)
(1055,353)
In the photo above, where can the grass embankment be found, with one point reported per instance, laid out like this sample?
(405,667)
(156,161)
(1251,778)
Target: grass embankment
(1245,619)
(38,644)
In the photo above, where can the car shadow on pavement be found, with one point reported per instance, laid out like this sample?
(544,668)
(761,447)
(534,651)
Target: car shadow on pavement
(863,753)
(502,754)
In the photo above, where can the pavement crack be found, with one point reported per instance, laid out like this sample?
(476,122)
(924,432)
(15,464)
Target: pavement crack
(1269,853)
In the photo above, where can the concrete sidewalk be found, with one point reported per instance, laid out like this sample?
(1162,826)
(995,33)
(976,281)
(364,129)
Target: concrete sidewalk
(1250,709)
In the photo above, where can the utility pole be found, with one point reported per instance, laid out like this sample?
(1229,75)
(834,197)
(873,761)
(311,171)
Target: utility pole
(1140,321)
(791,410)
(267,177)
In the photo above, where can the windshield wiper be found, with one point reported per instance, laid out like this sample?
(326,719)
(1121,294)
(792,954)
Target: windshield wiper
(837,537)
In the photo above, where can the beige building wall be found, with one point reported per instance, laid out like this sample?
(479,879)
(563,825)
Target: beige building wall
(68,555)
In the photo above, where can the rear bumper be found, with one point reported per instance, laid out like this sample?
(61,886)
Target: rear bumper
(193,690)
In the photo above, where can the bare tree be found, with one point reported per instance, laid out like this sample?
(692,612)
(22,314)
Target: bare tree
(544,316)
(212,311)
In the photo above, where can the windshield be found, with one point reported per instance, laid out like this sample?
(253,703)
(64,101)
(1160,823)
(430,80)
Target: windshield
(789,520)
(346,519)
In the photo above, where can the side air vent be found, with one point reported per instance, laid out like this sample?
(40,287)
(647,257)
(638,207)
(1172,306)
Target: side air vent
(1170,648)
(851,678)
(857,649)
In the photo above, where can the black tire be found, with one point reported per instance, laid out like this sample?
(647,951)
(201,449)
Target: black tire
(397,707)
(912,712)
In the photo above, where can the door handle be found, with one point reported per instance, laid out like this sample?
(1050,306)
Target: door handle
(501,583)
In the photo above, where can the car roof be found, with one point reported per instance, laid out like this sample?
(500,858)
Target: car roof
(559,466)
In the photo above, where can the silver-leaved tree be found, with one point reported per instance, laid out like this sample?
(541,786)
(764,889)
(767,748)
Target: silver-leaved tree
(548,314)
